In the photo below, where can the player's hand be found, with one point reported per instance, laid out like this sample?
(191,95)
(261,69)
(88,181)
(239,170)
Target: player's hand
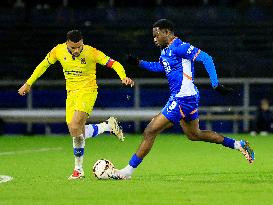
(223,90)
(24,89)
(132,60)
(128,81)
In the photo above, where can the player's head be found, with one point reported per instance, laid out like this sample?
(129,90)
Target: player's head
(74,42)
(163,32)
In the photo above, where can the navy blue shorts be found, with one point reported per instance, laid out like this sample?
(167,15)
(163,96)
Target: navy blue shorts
(181,108)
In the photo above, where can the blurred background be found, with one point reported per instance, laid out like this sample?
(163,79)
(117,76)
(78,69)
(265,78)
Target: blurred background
(238,34)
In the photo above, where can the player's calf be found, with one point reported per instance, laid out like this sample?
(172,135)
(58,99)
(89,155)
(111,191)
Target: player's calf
(193,136)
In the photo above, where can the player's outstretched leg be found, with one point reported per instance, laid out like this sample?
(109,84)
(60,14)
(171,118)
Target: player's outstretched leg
(111,125)
(192,131)
(157,125)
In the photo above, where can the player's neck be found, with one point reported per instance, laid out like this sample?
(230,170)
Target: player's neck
(171,40)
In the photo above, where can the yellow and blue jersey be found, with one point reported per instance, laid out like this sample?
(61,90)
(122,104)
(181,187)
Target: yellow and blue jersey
(80,71)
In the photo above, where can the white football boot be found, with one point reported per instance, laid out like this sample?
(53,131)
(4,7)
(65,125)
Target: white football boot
(115,128)
(118,175)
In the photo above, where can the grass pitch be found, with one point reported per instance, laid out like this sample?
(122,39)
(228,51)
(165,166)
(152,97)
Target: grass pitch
(177,171)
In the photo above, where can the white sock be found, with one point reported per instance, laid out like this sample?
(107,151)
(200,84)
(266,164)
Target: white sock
(78,145)
(128,170)
(103,127)
(93,130)
(78,163)
(89,130)
(237,144)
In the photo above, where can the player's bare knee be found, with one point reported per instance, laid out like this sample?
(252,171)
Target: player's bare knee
(75,129)
(193,136)
(75,132)
(149,133)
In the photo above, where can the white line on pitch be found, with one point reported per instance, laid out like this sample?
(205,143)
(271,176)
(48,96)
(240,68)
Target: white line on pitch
(31,151)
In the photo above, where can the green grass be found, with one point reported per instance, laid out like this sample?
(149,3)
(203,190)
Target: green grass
(177,171)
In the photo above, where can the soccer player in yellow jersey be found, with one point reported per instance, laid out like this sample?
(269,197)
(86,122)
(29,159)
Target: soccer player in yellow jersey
(79,67)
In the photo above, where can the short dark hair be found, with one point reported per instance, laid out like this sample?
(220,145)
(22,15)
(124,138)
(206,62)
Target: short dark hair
(164,24)
(74,36)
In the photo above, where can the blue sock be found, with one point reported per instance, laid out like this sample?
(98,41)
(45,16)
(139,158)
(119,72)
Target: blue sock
(135,161)
(228,142)
(95,127)
(78,152)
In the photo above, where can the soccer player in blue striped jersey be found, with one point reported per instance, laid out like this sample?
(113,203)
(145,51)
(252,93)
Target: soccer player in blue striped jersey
(177,61)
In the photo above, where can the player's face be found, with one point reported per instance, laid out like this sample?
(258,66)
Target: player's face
(75,48)
(160,37)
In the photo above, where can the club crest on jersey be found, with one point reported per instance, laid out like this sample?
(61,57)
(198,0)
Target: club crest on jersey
(65,58)
(83,61)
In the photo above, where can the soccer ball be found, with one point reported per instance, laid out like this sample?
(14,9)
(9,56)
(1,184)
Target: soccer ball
(103,169)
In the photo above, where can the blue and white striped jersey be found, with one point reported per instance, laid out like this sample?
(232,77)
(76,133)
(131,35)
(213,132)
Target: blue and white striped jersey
(177,61)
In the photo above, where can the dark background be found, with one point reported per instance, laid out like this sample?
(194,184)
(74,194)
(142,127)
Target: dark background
(237,34)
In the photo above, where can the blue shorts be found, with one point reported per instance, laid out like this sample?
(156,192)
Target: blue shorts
(181,108)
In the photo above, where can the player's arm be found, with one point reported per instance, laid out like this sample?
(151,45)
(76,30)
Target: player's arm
(39,70)
(207,61)
(105,60)
(151,66)
(194,54)
(209,66)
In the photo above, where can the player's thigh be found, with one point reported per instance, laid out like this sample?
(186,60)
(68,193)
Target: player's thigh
(70,105)
(81,100)
(86,101)
(77,123)
(158,124)
(190,127)
(79,119)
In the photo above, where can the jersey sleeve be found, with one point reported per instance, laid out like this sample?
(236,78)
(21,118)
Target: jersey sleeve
(207,61)
(51,56)
(105,60)
(188,51)
(151,66)
(42,67)
(101,58)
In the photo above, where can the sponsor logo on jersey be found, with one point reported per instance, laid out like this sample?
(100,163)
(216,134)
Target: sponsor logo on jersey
(167,66)
(73,72)
(190,49)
